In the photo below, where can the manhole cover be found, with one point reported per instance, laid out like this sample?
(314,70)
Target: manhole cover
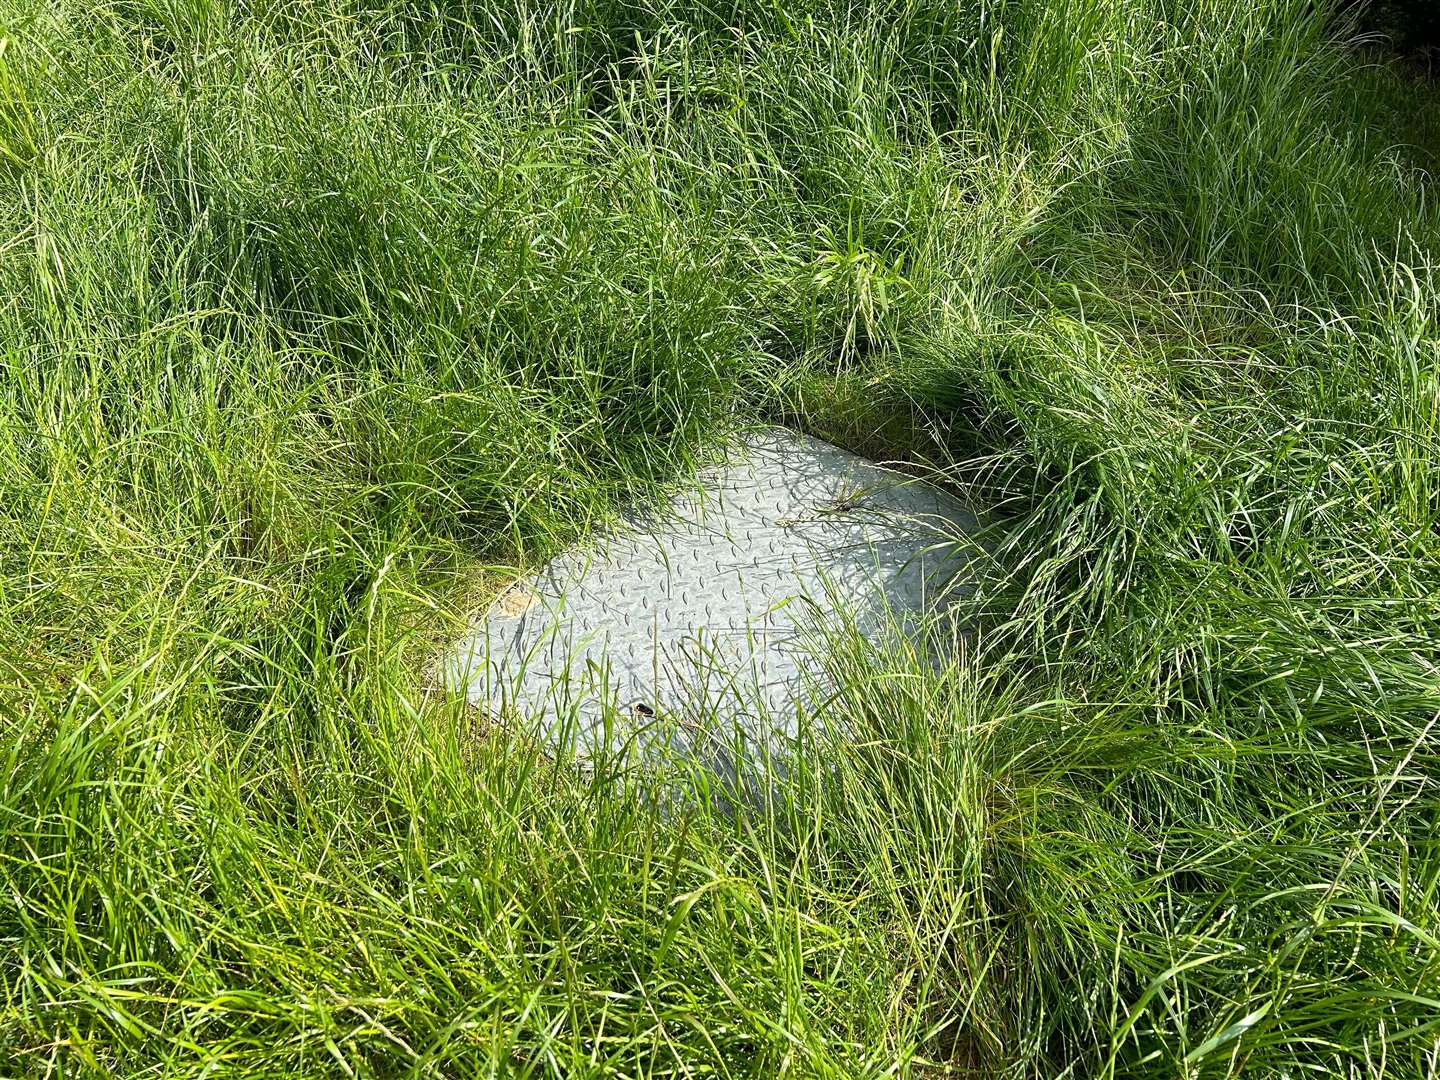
(702,616)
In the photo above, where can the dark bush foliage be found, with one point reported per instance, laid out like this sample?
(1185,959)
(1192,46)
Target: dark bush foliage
(1413,26)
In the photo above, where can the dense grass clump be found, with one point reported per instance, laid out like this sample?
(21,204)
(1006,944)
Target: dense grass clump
(318,319)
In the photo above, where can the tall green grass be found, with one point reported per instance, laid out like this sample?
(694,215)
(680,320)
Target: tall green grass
(320,319)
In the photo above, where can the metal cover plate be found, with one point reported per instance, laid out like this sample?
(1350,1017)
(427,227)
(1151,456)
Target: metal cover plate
(706,612)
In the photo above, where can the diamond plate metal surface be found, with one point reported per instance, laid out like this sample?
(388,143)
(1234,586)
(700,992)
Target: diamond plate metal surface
(705,613)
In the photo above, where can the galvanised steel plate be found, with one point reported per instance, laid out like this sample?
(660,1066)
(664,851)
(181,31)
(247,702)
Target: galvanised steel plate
(705,614)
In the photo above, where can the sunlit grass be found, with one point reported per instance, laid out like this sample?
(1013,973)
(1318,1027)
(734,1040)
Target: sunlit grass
(320,320)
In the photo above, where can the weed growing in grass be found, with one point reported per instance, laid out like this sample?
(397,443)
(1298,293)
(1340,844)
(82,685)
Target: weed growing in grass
(313,314)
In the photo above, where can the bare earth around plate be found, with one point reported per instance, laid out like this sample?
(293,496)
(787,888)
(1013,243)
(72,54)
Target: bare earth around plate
(706,612)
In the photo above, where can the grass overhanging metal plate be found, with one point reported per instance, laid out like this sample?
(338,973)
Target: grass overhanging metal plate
(705,611)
